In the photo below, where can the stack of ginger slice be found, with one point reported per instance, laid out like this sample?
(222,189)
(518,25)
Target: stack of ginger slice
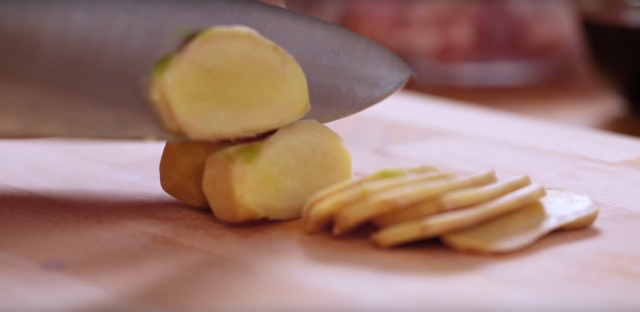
(476,213)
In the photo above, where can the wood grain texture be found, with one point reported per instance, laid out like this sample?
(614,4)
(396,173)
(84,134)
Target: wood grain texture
(86,226)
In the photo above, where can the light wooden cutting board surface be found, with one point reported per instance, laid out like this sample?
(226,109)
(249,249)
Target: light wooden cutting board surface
(86,226)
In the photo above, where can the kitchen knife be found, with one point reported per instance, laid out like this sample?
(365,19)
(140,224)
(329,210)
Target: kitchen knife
(80,68)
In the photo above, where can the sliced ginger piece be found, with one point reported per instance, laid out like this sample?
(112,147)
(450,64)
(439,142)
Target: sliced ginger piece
(346,186)
(453,200)
(181,170)
(273,178)
(350,184)
(478,195)
(318,216)
(581,222)
(409,214)
(457,220)
(403,198)
(229,82)
(519,229)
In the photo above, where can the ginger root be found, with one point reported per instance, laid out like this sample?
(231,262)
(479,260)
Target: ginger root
(229,82)
(181,169)
(273,178)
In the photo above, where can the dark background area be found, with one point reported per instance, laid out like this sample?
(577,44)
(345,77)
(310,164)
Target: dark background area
(538,58)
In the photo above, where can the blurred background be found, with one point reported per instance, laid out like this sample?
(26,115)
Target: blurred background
(576,62)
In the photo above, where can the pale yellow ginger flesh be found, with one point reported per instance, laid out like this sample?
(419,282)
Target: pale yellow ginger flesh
(350,184)
(478,195)
(381,203)
(229,82)
(181,169)
(469,213)
(273,178)
(319,215)
(158,97)
(453,200)
(557,210)
(581,223)
(457,220)
(324,204)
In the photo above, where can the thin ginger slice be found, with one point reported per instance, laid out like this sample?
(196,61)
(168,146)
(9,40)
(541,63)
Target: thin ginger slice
(478,195)
(181,170)
(580,223)
(519,229)
(273,178)
(229,82)
(350,184)
(402,198)
(457,220)
(453,200)
(318,216)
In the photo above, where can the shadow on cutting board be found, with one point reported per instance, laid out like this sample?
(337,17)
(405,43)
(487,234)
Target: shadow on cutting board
(58,223)
(429,256)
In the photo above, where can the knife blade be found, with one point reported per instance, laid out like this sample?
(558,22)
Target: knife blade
(77,68)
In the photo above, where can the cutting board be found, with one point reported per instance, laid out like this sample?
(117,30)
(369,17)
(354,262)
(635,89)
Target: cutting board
(86,226)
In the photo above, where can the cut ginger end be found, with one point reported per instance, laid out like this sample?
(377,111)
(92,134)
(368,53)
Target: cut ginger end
(273,178)
(181,169)
(229,82)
